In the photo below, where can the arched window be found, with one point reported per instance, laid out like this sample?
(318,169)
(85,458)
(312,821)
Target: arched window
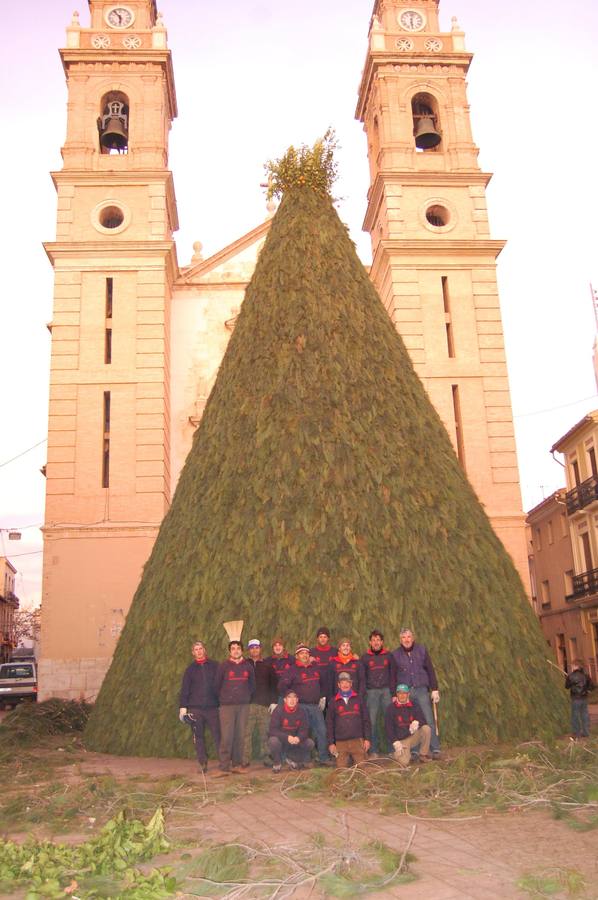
(113,123)
(426,122)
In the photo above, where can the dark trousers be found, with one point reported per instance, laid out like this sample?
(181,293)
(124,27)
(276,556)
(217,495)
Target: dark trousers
(233,725)
(580,717)
(204,716)
(299,753)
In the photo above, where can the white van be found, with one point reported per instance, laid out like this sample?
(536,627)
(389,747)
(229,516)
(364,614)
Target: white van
(18,681)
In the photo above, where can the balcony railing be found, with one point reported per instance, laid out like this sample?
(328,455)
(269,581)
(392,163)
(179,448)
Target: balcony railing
(584,584)
(582,495)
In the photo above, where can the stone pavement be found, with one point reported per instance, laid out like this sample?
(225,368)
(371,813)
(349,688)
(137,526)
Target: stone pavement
(480,858)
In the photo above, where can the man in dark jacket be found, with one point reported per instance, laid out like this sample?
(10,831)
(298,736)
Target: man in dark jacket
(198,701)
(405,730)
(321,655)
(288,734)
(579,684)
(304,678)
(235,684)
(280,661)
(345,661)
(265,695)
(414,668)
(348,724)
(379,680)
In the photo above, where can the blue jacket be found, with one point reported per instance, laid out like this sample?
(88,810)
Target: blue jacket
(414,667)
(199,685)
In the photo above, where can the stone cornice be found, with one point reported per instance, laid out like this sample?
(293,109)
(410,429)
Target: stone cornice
(111,59)
(424,62)
(101,529)
(411,250)
(113,250)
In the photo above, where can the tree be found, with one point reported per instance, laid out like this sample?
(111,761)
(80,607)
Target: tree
(25,625)
(322,488)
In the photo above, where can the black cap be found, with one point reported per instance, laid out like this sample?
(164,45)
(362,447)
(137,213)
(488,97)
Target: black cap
(323,630)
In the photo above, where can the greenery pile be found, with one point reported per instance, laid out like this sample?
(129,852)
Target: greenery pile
(563,780)
(322,488)
(31,723)
(103,866)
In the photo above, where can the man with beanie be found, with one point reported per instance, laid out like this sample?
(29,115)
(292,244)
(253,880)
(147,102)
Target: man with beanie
(264,697)
(321,655)
(405,729)
(304,678)
(288,734)
(414,668)
(235,684)
(198,701)
(379,676)
(280,661)
(348,725)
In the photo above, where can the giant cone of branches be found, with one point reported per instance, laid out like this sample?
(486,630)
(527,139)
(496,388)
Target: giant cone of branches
(322,488)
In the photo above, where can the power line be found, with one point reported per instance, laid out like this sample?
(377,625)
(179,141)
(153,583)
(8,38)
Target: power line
(539,412)
(28,553)
(19,455)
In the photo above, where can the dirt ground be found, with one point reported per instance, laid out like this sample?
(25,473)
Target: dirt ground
(478,857)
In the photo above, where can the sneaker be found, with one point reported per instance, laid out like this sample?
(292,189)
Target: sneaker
(436,754)
(292,764)
(276,769)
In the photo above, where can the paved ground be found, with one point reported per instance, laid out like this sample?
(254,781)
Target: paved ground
(476,859)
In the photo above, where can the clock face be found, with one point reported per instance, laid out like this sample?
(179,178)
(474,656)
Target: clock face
(119,17)
(412,20)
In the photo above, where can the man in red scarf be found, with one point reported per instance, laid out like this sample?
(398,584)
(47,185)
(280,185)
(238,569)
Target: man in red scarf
(198,702)
(345,661)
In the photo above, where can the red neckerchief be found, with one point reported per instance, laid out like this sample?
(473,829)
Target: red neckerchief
(236,661)
(200,662)
(377,652)
(345,659)
(302,664)
(288,710)
(396,702)
(322,649)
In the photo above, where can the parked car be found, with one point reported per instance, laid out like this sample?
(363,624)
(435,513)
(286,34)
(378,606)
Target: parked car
(18,681)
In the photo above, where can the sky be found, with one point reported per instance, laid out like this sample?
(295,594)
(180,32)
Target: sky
(253,77)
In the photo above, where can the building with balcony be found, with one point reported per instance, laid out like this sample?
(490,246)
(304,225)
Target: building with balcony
(8,603)
(563,547)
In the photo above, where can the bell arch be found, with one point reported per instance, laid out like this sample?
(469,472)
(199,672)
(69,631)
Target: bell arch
(113,123)
(426,121)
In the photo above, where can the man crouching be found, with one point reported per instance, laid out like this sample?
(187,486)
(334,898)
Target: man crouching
(348,724)
(288,733)
(404,730)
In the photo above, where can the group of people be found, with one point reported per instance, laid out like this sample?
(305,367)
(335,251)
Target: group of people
(324,697)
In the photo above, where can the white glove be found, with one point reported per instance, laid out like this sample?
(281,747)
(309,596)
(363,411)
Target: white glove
(322,703)
(272,707)
(413,727)
(397,746)
(435,695)
(182,713)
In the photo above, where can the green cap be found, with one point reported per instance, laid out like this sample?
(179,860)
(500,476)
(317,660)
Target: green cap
(403,688)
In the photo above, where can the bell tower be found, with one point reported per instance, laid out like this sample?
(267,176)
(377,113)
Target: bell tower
(434,262)
(114,259)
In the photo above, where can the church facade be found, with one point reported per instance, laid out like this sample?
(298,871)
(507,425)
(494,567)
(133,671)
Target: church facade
(137,339)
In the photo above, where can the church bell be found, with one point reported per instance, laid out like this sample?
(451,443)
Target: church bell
(113,127)
(113,136)
(426,136)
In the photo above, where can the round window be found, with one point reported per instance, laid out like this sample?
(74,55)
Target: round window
(438,216)
(111,217)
